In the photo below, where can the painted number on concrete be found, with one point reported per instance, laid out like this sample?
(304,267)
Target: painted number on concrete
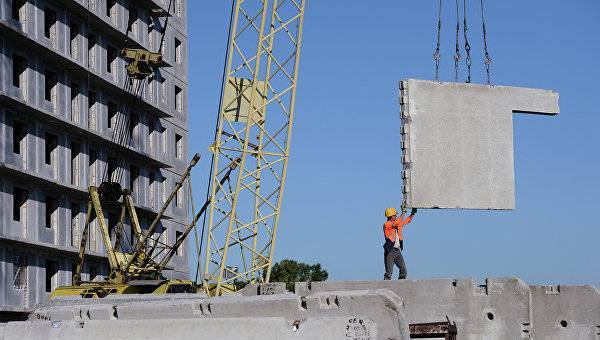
(361,329)
(267,289)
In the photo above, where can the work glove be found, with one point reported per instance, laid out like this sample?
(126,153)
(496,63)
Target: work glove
(413,211)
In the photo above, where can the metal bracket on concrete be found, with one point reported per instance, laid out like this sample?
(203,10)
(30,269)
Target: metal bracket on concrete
(430,330)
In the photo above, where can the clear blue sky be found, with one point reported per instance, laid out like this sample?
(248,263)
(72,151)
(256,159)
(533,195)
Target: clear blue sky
(345,163)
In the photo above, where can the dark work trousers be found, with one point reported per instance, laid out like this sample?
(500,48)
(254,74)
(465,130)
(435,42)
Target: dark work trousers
(394,257)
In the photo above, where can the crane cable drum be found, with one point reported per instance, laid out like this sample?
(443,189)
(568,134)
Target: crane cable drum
(487,60)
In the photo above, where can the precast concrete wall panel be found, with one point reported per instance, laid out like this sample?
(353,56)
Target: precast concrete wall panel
(368,315)
(457,142)
(565,312)
(502,308)
(244,328)
(497,310)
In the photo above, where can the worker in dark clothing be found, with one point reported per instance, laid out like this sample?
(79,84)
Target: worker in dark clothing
(392,231)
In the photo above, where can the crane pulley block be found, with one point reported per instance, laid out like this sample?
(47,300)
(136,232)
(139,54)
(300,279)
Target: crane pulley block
(159,12)
(110,191)
(142,63)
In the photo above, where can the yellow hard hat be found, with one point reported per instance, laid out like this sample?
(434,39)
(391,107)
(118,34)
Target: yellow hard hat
(389,212)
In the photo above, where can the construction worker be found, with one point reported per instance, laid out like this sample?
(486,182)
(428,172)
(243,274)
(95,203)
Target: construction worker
(392,231)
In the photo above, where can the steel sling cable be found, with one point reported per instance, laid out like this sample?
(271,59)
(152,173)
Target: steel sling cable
(112,139)
(486,59)
(192,206)
(122,125)
(467,45)
(224,80)
(116,138)
(164,30)
(436,55)
(122,115)
(120,131)
(162,39)
(457,47)
(126,129)
(134,89)
(126,133)
(117,131)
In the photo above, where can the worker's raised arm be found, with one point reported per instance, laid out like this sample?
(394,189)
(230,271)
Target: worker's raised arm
(413,212)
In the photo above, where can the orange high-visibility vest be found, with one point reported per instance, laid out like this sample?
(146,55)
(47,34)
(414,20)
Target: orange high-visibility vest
(391,227)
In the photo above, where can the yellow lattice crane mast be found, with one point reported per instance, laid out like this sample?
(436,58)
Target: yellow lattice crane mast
(252,143)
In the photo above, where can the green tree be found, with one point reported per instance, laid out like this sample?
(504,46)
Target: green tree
(290,272)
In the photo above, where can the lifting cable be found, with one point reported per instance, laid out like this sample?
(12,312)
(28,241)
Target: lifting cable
(437,56)
(487,60)
(164,30)
(467,45)
(121,135)
(457,47)
(122,132)
(162,40)
(192,207)
(210,179)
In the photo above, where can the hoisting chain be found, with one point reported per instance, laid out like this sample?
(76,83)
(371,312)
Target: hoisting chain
(467,45)
(437,56)
(486,59)
(457,49)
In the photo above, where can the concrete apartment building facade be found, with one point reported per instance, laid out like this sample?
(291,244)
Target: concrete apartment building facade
(61,87)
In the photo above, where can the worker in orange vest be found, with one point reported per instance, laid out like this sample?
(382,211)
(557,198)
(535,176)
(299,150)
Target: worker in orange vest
(392,231)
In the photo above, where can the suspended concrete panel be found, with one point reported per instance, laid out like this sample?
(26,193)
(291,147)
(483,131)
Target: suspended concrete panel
(457,142)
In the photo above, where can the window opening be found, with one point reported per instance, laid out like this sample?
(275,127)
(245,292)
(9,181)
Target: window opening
(19,135)
(51,271)
(75,151)
(50,146)
(19,201)
(19,272)
(75,211)
(51,208)
(19,68)
(49,23)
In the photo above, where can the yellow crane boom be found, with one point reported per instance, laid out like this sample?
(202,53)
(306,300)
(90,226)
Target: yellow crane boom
(254,130)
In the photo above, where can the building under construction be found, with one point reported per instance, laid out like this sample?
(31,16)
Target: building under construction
(63,93)
(93,120)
